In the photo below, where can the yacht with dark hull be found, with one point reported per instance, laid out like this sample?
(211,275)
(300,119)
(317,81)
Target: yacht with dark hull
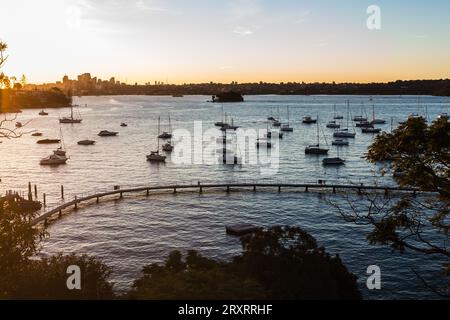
(71,119)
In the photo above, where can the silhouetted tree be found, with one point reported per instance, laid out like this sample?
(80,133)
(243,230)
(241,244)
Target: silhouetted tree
(46,279)
(280,263)
(290,265)
(196,278)
(418,156)
(19,241)
(3,47)
(23,276)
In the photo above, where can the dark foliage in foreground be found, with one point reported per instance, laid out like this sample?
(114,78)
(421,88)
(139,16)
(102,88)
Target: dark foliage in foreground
(280,263)
(417,154)
(24,277)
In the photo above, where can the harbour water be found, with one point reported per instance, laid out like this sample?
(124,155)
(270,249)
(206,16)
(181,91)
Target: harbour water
(133,232)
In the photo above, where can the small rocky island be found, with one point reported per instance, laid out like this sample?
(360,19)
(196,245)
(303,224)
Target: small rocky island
(228,96)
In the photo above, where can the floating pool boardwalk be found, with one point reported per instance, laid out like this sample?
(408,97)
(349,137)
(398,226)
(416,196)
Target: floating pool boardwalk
(228,187)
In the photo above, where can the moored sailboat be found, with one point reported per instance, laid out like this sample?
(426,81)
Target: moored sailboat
(316,149)
(155,156)
(70,119)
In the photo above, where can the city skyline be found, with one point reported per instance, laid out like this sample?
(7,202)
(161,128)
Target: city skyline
(224,41)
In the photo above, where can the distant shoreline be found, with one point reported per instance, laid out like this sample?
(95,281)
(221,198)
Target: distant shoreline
(95,87)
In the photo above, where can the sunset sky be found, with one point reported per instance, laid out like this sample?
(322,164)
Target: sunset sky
(223,41)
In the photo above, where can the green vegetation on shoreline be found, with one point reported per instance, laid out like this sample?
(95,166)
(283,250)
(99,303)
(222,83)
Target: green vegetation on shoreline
(14,100)
(93,87)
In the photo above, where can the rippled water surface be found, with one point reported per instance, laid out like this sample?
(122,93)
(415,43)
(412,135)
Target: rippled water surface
(133,232)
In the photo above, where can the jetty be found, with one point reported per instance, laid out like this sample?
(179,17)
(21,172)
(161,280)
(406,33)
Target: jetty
(321,186)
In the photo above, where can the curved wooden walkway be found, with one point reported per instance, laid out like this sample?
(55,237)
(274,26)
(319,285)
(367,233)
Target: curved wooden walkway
(227,186)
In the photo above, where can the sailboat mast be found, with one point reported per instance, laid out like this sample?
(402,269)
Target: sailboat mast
(318,133)
(288,116)
(159,119)
(170,129)
(62,138)
(348,111)
(71,111)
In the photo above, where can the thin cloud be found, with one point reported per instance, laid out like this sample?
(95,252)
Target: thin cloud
(303,17)
(112,16)
(242,31)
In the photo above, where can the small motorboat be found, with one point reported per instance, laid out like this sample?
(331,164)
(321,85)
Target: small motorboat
(340,142)
(165,135)
(106,133)
(333,161)
(276,124)
(43,113)
(123,124)
(155,156)
(378,121)
(333,125)
(271,119)
(86,142)
(53,160)
(286,128)
(309,120)
(315,149)
(37,134)
(19,125)
(48,141)
(344,134)
(371,130)
(364,124)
